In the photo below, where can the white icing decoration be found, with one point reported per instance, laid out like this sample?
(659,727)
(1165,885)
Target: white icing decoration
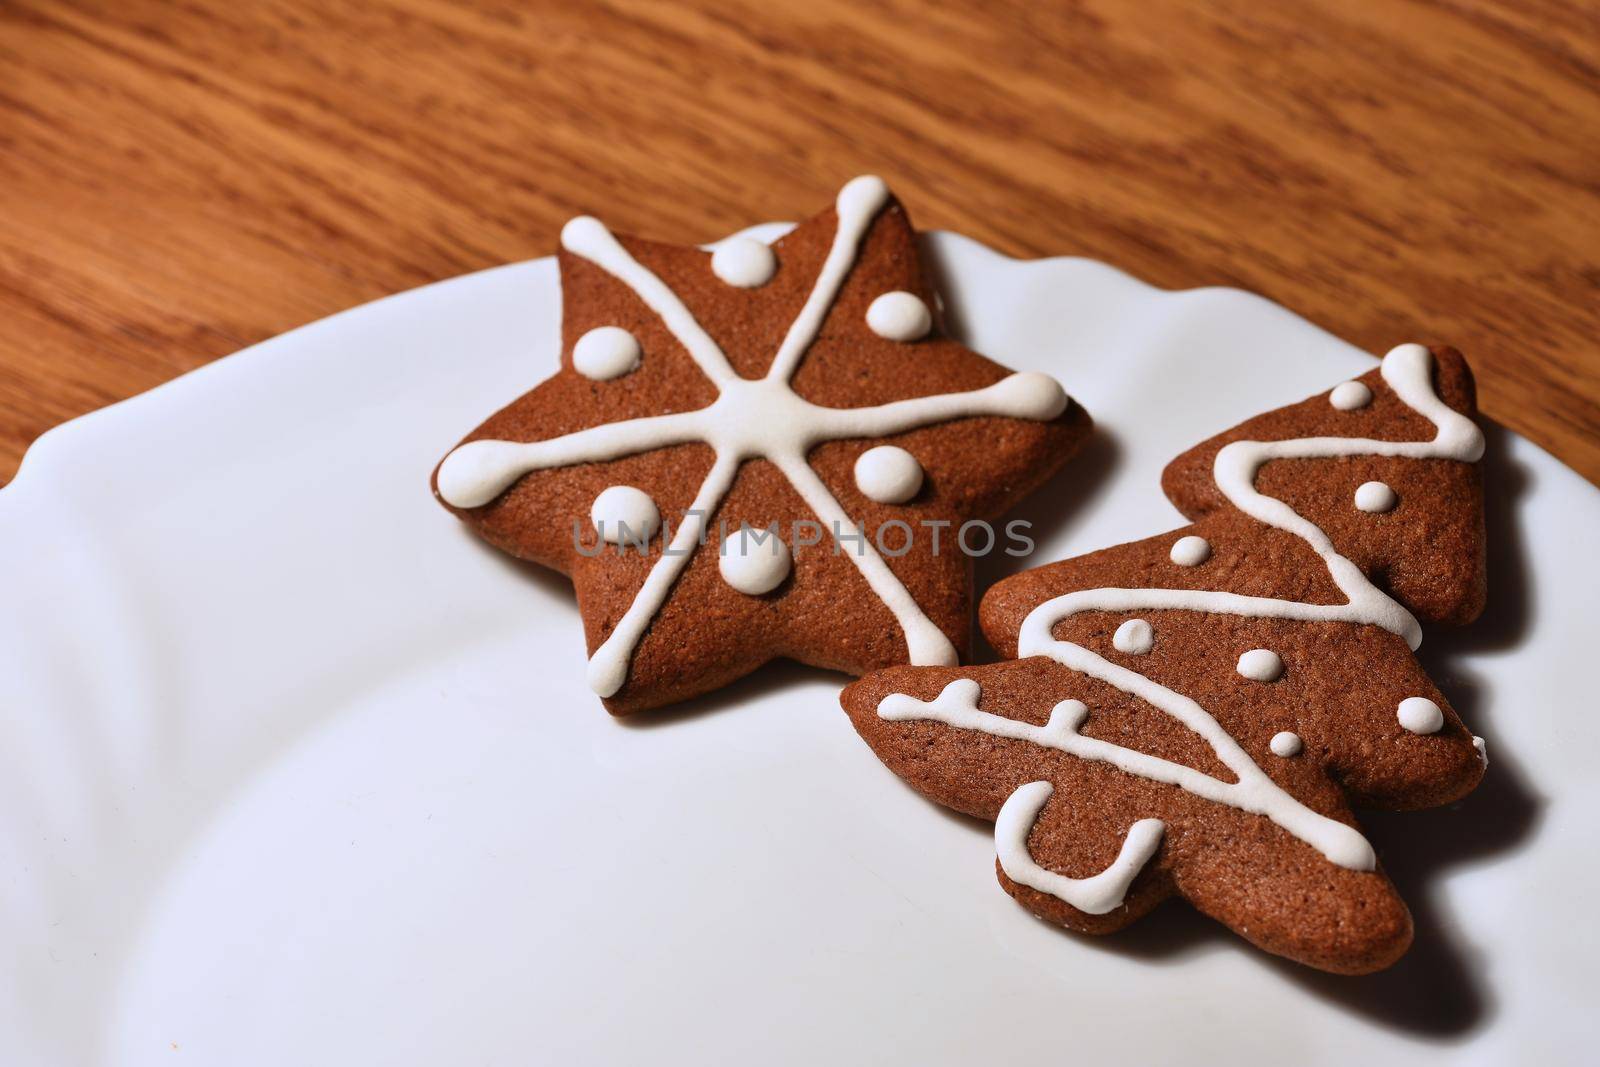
(1096,895)
(1483,749)
(1135,637)
(744,262)
(750,419)
(1285,743)
(1348,396)
(1407,370)
(1261,665)
(900,316)
(605,352)
(1420,715)
(754,561)
(1254,792)
(625,515)
(1191,551)
(888,474)
(1376,497)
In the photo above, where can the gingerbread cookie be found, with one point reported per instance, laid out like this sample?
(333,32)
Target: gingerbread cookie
(1197,713)
(752,453)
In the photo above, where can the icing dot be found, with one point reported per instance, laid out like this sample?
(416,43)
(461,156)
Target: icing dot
(1285,743)
(1375,496)
(1031,395)
(754,561)
(1420,715)
(1348,396)
(1135,637)
(1483,748)
(888,474)
(1261,665)
(899,316)
(744,262)
(624,506)
(605,352)
(1191,551)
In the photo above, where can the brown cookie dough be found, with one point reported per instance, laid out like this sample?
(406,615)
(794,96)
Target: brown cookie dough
(663,626)
(1220,744)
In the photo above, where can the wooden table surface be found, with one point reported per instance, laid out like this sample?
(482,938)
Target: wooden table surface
(180,178)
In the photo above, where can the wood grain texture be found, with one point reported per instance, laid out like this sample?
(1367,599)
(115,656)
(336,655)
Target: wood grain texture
(180,179)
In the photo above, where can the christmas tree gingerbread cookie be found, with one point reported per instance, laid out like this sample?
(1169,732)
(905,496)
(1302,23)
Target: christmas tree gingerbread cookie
(753,453)
(1197,714)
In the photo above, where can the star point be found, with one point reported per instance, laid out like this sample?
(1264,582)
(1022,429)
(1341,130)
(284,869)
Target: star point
(757,420)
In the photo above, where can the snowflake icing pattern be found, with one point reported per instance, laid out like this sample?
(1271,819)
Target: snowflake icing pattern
(750,419)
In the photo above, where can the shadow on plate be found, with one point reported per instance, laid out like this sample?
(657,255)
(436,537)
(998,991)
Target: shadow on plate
(1069,491)
(753,688)
(550,582)
(1440,989)
(1050,508)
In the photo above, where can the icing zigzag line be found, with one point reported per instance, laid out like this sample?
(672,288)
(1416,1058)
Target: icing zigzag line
(1408,371)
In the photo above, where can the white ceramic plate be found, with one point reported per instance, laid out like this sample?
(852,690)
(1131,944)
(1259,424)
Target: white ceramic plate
(294,770)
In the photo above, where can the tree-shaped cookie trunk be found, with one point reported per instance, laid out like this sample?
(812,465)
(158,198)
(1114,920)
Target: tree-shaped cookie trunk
(1198,712)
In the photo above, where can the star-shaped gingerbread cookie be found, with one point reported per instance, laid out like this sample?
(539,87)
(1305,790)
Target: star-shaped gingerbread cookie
(761,452)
